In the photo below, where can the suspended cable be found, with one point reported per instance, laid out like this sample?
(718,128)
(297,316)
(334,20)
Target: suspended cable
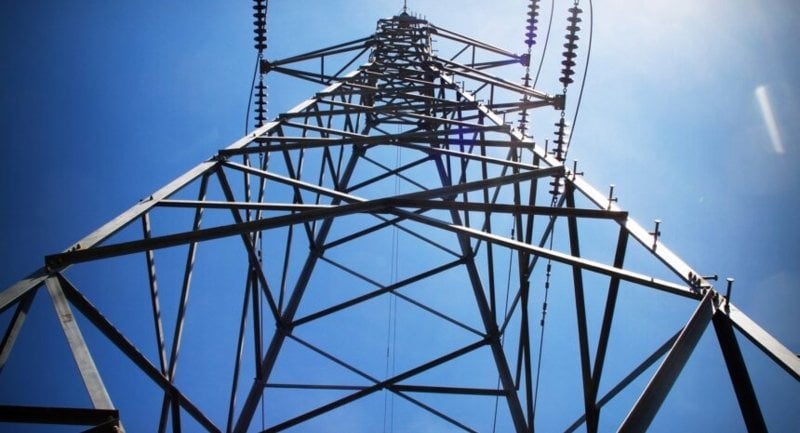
(250,95)
(391,337)
(505,314)
(546,43)
(260,92)
(541,325)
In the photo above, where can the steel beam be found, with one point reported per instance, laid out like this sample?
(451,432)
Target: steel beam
(740,378)
(118,339)
(784,357)
(91,377)
(589,391)
(57,415)
(627,380)
(14,328)
(645,409)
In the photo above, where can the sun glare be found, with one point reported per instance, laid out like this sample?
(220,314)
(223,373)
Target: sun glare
(769,119)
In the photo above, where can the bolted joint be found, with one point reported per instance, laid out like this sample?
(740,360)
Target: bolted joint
(728,294)
(557,101)
(611,198)
(264,66)
(656,233)
(525,59)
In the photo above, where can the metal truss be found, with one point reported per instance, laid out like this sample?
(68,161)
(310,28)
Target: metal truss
(301,220)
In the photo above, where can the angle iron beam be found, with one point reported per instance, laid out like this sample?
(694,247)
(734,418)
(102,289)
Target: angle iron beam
(333,49)
(264,370)
(447,390)
(440,315)
(784,357)
(80,351)
(249,246)
(654,394)
(740,379)
(118,339)
(239,352)
(449,34)
(154,302)
(331,358)
(477,75)
(390,172)
(589,391)
(627,380)
(486,313)
(510,208)
(493,64)
(15,327)
(239,205)
(56,415)
(386,222)
(435,412)
(590,265)
(608,313)
(181,315)
(375,293)
(21,288)
(385,384)
(637,231)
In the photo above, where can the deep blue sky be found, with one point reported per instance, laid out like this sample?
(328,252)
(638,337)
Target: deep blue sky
(103,102)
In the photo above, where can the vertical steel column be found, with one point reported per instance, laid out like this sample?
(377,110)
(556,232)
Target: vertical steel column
(492,330)
(589,391)
(283,327)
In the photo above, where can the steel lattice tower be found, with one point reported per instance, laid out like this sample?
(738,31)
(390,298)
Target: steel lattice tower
(397,208)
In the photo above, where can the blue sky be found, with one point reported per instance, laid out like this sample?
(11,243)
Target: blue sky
(104,102)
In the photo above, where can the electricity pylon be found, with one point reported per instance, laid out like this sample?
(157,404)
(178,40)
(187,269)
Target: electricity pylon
(387,243)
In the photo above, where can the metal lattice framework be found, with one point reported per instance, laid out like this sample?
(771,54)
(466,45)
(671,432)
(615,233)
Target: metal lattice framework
(301,221)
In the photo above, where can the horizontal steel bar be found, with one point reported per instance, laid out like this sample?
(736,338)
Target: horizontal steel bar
(590,265)
(449,34)
(333,49)
(210,204)
(512,208)
(315,387)
(357,205)
(447,390)
(56,415)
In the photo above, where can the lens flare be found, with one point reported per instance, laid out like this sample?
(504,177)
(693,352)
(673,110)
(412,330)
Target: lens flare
(769,120)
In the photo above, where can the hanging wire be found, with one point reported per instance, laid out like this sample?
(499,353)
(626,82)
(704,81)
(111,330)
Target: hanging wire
(541,324)
(391,337)
(260,8)
(505,314)
(250,95)
(546,43)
